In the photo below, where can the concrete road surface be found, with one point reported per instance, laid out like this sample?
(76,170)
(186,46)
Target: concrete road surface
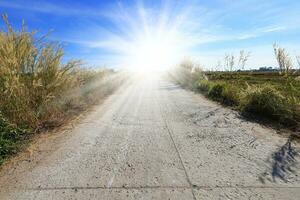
(154,140)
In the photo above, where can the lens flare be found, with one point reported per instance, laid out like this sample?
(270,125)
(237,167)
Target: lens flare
(153,52)
(147,39)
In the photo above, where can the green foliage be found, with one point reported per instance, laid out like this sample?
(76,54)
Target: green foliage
(10,138)
(266,94)
(231,95)
(216,91)
(223,92)
(265,101)
(203,85)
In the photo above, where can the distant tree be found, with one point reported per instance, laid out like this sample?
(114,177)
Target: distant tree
(298,60)
(226,62)
(231,62)
(243,59)
(218,66)
(283,59)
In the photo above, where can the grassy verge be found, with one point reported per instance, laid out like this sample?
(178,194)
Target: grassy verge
(40,91)
(271,97)
(10,138)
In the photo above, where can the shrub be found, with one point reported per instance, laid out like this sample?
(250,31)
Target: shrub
(203,86)
(10,137)
(223,92)
(265,101)
(187,73)
(230,95)
(31,75)
(216,91)
(37,86)
(38,90)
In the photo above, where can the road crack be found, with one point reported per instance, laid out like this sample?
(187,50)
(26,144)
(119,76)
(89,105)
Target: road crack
(177,151)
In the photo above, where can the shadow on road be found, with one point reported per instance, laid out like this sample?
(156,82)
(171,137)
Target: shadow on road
(283,163)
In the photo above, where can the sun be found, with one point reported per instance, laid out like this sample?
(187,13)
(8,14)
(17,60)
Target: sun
(153,52)
(146,39)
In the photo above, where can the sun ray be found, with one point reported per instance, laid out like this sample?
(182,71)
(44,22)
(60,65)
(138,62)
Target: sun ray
(152,40)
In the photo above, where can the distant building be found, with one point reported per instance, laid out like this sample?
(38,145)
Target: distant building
(267,69)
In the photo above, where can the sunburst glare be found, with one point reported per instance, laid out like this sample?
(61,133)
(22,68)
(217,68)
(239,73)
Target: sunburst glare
(151,40)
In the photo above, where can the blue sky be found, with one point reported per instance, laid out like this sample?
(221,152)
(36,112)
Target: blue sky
(118,33)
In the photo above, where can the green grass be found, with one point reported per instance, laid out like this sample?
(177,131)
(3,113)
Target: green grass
(10,138)
(265,101)
(280,82)
(216,91)
(273,97)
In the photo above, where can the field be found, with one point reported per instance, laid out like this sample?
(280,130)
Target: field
(287,86)
(268,97)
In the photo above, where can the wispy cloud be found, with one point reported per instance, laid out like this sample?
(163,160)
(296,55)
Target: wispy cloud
(260,32)
(273,29)
(50,8)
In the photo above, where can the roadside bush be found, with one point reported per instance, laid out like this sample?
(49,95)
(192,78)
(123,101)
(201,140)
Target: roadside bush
(10,137)
(183,74)
(223,92)
(266,94)
(265,101)
(216,91)
(203,86)
(31,75)
(37,87)
(38,90)
(188,73)
(230,95)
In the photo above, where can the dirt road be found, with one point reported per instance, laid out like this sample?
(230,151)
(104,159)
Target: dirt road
(154,140)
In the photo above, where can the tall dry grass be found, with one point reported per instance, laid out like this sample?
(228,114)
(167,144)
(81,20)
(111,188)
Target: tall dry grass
(38,90)
(187,73)
(35,85)
(31,74)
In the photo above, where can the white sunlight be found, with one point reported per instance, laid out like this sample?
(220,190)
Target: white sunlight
(151,40)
